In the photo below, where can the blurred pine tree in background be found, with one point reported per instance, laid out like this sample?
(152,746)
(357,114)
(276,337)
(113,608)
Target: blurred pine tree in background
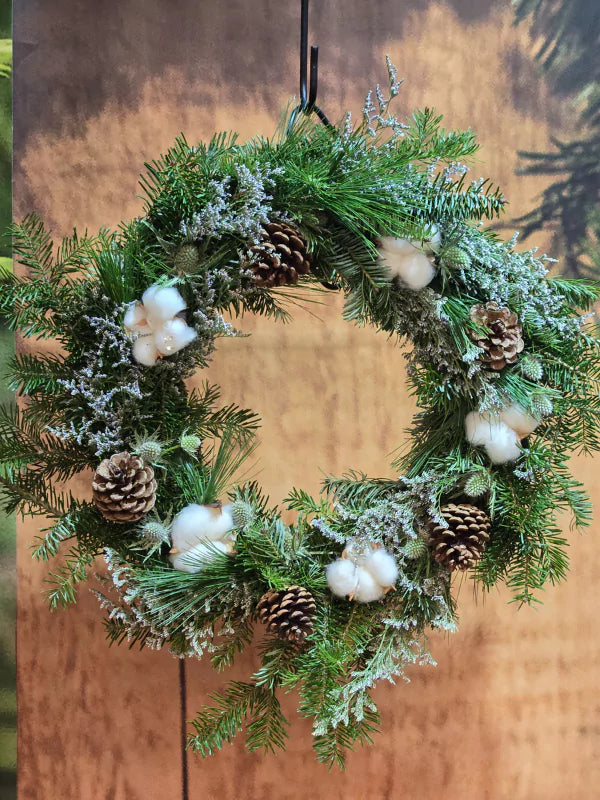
(8,705)
(568,40)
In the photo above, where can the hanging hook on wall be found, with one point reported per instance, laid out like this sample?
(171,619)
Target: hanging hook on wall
(308,103)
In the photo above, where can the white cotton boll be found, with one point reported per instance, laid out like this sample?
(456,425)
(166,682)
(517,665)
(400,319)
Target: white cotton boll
(196,523)
(342,577)
(501,442)
(432,240)
(144,351)
(382,567)
(135,319)
(391,245)
(519,420)
(415,270)
(173,336)
(196,558)
(367,589)
(478,427)
(162,304)
(504,445)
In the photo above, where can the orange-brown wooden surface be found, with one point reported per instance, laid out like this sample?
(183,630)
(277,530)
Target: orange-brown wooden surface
(512,710)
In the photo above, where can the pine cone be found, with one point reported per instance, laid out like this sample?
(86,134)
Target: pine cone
(504,342)
(281,256)
(124,488)
(460,543)
(287,613)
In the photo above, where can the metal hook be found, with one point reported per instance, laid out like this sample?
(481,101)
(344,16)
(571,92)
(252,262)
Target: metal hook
(308,106)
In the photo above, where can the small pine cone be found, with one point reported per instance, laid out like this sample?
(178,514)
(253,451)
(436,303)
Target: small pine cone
(187,259)
(281,257)
(124,488)
(504,342)
(460,543)
(454,257)
(288,613)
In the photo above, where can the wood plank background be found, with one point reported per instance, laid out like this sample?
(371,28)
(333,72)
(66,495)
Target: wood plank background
(512,710)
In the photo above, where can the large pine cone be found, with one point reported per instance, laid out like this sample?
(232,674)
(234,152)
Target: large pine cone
(460,543)
(288,612)
(281,257)
(505,340)
(124,488)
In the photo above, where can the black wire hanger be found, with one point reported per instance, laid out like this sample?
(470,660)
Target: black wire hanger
(308,104)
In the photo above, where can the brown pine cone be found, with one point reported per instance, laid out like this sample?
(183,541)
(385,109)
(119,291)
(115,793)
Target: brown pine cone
(460,543)
(124,488)
(504,341)
(288,612)
(281,257)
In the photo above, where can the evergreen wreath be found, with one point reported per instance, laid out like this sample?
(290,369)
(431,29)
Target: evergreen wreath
(502,361)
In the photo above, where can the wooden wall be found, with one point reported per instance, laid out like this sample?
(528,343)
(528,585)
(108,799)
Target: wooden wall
(512,710)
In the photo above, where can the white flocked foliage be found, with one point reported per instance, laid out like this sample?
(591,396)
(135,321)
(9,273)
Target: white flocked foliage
(160,331)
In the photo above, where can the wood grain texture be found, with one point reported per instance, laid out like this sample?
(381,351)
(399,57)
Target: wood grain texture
(512,709)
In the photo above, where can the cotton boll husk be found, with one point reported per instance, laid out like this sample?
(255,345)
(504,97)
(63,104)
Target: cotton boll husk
(135,319)
(162,303)
(382,567)
(342,577)
(144,351)
(368,589)
(194,559)
(196,523)
(503,445)
(173,336)
(519,420)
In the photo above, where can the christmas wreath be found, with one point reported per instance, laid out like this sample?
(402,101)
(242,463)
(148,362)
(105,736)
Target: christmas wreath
(502,361)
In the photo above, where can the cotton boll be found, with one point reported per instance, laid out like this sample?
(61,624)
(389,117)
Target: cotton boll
(432,241)
(415,270)
(173,336)
(501,442)
(144,351)
(395,246)
(135,319)
(519,420)
(503,446)
(162,304)
(342,577)
(196,558)
(478,427)
(382,567)
(196,523)
(368,589)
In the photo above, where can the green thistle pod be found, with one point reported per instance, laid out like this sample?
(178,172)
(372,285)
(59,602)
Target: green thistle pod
(454,257)
(187,259)
(190,443)
(541,405)
(477,484)
(531,367)
(150,450)
(415,548)
(153,534)
(243,513)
